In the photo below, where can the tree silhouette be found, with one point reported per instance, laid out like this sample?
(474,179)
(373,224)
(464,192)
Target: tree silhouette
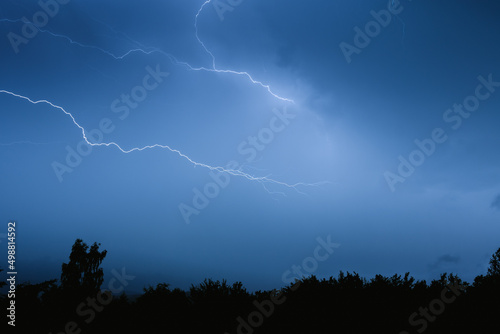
(82,275)
(494,269)
(347,303)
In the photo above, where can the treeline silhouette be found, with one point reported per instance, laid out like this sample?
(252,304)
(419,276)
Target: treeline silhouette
(347,303)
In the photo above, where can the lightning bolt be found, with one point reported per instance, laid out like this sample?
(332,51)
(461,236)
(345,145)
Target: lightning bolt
(214,68)
(196,32)
(147,51)
(234,172)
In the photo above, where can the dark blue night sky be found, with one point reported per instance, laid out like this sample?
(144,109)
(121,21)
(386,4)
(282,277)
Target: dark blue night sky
(232,150)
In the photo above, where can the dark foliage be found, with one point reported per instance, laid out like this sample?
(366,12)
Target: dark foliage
(347,303)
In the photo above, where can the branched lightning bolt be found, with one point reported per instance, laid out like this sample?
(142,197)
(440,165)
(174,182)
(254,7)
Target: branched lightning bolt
(214,68)
(198,37)
(234,172)
(149,50)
